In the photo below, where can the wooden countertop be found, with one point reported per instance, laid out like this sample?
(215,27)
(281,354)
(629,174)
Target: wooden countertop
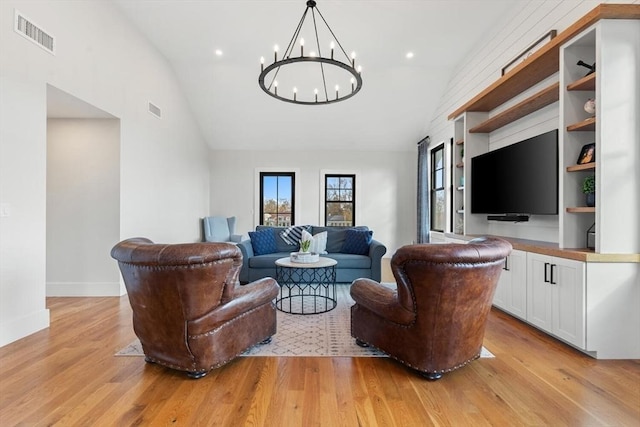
(553,249)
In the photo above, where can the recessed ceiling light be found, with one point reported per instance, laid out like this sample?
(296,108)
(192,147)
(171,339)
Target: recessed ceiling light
(409,55)
(218,52)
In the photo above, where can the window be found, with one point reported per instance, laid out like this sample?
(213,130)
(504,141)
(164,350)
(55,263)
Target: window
(277,199)
(438,211)
(340,200)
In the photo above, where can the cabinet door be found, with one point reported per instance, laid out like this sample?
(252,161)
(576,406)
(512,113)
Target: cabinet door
(516,296)
(539,292)
(568,288)
(504,283)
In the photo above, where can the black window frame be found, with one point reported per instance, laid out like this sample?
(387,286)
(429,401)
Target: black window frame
(352,202)
(291,175)
(435,190)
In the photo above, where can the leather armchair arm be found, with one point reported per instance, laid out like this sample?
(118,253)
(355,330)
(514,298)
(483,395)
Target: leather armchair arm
(245,298)
(381,300)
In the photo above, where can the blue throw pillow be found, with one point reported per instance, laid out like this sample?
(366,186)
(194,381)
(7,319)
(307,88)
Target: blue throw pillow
(263,241)
(357,242)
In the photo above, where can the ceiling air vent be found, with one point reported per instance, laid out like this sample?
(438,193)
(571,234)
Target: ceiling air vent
(29,30)
(155,110)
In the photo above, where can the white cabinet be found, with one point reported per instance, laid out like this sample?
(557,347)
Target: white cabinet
(556,297)
(511,293)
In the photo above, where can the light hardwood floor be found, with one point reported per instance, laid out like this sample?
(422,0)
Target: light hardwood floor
(67,375)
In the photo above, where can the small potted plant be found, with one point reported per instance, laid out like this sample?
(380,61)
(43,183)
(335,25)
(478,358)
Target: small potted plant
(589,188)
(304,245)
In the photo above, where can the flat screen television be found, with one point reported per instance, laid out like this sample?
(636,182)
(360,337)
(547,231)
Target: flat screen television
(519,179)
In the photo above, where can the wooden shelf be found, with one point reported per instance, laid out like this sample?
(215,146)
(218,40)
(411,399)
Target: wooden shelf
(459,165)
(582,209)
(585,83)
(585,125)
(584,167)
(460,142)
(542,63)
(546,96)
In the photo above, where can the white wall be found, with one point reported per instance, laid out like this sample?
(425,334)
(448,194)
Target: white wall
(385,187)
(525,25)
(83,206)
(101,60)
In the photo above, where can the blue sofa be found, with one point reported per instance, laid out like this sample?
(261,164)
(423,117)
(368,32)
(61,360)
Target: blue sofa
(349,267)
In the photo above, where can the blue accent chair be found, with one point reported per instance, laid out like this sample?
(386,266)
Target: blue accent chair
(220,229)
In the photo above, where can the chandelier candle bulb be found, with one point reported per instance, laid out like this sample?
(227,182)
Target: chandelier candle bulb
(315,92)
(337,87)
(332,45)
(295,93)
(353,81)
(275,53)
(261,63)
(301,47)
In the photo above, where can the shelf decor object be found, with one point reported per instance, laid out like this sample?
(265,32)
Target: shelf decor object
(310,71)
(589,188)
(587,154)
(590,106)
(591,68)
(529,51)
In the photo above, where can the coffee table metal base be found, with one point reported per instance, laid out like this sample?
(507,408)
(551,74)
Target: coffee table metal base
(305,289)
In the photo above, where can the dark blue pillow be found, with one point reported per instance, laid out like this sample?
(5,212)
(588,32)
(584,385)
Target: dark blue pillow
(357,242)
(263,241)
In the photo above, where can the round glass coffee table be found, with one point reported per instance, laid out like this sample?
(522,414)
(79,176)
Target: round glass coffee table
(306,288)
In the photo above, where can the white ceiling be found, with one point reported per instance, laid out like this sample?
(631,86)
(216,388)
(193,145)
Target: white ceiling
(398,96)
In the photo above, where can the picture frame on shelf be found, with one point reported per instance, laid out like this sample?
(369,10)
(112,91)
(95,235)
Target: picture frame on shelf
(529,51)
(587,154)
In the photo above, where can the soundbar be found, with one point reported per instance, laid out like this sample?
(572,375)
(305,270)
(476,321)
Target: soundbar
(508,218)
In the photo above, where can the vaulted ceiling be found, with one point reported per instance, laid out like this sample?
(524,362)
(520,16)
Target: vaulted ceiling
(398,96)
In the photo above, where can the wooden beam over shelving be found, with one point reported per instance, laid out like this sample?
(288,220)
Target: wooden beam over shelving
(546,96)
(543,63)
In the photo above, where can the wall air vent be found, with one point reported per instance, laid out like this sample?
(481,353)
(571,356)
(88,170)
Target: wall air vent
(155,110)
(29,30)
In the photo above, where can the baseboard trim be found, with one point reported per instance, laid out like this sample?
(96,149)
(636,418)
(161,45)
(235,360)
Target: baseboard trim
(83,289)
(21,327)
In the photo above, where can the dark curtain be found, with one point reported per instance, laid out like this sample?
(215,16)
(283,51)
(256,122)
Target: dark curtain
(423,191)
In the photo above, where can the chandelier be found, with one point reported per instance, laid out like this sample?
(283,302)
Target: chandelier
(311,72)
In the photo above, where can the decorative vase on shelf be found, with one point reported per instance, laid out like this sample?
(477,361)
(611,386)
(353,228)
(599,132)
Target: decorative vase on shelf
(590,106)
(590,199)
(589,189)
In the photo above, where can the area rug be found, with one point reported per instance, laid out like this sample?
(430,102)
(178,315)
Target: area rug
(319,335)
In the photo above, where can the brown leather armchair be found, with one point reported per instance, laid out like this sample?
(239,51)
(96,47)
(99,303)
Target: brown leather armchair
(189,310)
(435,321)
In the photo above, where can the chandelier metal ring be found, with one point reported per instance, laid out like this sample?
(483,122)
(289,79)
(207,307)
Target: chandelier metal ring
(356,75)
(287,59)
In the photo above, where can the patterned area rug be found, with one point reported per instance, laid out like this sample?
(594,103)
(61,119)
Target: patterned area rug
(327,334)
